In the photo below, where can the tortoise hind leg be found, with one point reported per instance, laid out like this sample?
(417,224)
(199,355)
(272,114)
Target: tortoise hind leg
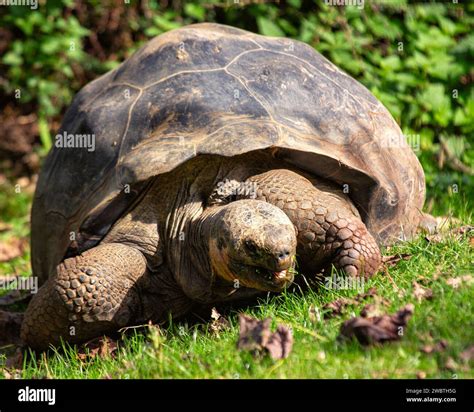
(329,228)
(90,295)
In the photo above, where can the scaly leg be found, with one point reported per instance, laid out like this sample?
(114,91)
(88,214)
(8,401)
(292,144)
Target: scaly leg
(90,295)
(329,230)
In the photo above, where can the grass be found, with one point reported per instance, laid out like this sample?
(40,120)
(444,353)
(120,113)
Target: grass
(183,350)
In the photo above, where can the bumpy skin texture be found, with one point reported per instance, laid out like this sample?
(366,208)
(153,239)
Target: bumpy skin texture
(144,269)
(183,102)
(328,229)
(91,294)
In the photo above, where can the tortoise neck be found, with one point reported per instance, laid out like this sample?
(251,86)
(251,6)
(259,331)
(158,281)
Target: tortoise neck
(203,233)
(200,233)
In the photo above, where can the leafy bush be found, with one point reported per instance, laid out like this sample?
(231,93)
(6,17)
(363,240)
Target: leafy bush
(416,58)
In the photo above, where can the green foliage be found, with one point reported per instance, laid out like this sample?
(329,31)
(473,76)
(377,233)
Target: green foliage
(39,61)
(416,58)
(192,351)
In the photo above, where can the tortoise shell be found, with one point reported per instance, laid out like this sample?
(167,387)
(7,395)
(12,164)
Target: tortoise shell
(214,89)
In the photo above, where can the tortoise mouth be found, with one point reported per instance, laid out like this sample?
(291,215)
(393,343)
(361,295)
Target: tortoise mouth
(261,278)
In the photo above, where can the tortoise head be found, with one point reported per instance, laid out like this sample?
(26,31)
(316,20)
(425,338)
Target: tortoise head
(253,244)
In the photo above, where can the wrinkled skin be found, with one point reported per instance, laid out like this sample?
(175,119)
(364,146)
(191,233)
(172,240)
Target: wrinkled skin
(195,238)
(210,108)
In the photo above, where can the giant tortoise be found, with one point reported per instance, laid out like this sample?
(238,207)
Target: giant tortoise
(220,158)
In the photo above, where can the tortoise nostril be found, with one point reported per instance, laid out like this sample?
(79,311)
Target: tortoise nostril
(251,246)
(284,254)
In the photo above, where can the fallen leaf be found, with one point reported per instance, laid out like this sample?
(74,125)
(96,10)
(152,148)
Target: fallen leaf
(378,328)
(337,306)
(420,292)
(460,280)
(439,346)
(280,343)
(254,333)
(392,260)
(11,373)
(102,347)
(371,310)
(14,296)
(451,365)
(456,233)
(255,336)
(372,292)
(11,249)
(10,325)
(467,355)
(219,323)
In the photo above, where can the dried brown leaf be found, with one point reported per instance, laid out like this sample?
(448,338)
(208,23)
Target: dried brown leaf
(439,346)
(376,308)
(378,329)
(254,333)
(11,249)
(102,347)
(255,336)
(392,260)
(219,323)
(280,343)
(10,325)
(420,292)
(451,364)
(459,281)
(371,310)
(467,355)
(337,306)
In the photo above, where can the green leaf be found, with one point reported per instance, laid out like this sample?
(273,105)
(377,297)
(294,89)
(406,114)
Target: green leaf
(195,11)
(165,24)
(295,3)
(459,117)
(391,63)
(434,97)
(45,135)
(268,28)
(307,30)
(12,59)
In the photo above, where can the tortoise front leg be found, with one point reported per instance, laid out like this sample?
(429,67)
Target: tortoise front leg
(329,228)
(90,295)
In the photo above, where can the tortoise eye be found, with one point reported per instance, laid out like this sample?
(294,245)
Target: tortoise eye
(251,246)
